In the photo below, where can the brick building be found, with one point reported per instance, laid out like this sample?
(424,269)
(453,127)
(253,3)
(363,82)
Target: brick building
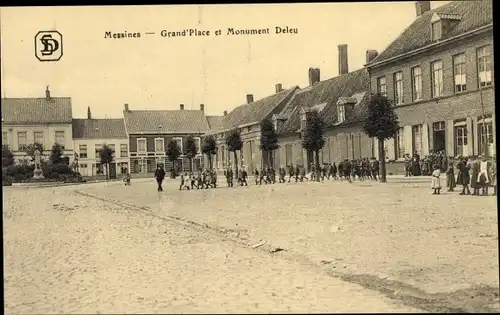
(439,72)
(89,136)
(149,132)
(44,120)
(343,104)
(247,118)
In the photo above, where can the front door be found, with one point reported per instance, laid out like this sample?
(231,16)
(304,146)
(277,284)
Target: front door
(112,170)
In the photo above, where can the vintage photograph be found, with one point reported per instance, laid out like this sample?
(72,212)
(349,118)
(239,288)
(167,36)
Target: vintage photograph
(249,158)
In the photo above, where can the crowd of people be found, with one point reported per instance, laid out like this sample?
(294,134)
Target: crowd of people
(476,173)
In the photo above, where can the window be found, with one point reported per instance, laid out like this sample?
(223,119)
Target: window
(98,148)
(436,30)
(60,139)
(38,137)
(113,149)
(143,166)
(249,128)
(416,82)
(459,73)
(417,139)
(398,88)
(460,137)
(179,143)
(197,141)
(159,145)
(123,150)
(382,86)
(22,141)
(141,145)
(341,115)
(82,165)
(437,78)
(5,138)
(400,147)
(484,65)
(485,135)
(83,151)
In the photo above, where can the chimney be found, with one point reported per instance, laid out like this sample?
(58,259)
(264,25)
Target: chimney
(343,62)
(314,76)
(422,7)
(279,88)
(89,114)
(202,107)
(126,107)
(47,93)
(225,113)
(249,98)
(182,106)
(370,55)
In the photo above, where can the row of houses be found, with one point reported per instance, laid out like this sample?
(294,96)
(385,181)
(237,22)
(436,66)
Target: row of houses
(438,71)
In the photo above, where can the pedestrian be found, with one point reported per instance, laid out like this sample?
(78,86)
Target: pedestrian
(474,179)
(159,176)
(244,176)
(333,169)
(340,169)
(297,173)
(374,167)
(126,179)
(229,177)
(494,175)
(182,182)
(484,175)
(463,177)
(436,181)
(407,165)
(450,177)
(290,172)
(256,176)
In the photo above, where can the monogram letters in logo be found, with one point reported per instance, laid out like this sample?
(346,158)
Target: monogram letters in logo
(48,46)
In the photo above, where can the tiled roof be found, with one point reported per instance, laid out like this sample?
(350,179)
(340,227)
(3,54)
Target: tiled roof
(99,129)
(36,110)
(256,111)
(474,14)
(328,92)
(215,122)
(165,121)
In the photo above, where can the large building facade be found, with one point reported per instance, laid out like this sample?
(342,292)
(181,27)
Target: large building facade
(149,132)
(90,135)
(439,72)
(247,118)
(342,102)
(46,120)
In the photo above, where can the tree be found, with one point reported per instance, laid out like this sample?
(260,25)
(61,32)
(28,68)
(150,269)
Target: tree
(173,152)
(106,157)
(234,144)
(32,148)
(190,151)
(209,147)
(382,124)
(313,140)
(268,140)
(7,156)
(56,154)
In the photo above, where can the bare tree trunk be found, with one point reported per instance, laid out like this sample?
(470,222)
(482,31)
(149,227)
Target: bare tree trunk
(270,159)
(317,165)
(107,171)
(190,165)
(381,154)
(210,160)
(235,164)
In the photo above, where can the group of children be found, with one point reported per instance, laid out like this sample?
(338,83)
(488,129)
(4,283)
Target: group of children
(478,172)
(203,180)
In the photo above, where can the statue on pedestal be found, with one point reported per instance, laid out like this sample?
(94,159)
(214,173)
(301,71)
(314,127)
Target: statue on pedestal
(37,173)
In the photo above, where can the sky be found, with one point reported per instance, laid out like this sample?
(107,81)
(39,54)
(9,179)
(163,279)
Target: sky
(155,72)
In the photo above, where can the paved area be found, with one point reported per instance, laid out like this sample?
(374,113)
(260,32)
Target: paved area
(65,253)
(396,238)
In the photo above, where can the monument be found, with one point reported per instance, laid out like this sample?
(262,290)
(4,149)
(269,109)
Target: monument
(37,173)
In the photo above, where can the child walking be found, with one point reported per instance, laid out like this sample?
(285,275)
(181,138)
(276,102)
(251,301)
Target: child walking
(436,181)
(450,177)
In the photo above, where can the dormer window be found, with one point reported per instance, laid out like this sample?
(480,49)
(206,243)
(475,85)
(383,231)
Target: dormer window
(437,30)
(341,113)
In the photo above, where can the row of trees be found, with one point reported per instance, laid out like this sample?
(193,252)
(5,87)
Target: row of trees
(382,124)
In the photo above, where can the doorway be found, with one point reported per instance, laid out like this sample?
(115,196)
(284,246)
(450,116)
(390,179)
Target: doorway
(112,170)
(439,136)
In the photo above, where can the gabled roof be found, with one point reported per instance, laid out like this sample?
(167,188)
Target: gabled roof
(99,129)
(472,14)
(325,95)
(36,110)
(256,111)
(215,122)
(165,121)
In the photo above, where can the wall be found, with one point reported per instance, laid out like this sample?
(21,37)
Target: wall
(348,142)
(88,164)
(449,107)
(150,140)
(49,134)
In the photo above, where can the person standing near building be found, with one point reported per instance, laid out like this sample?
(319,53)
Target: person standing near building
(474,179)
(244,176)
(159,176)
(407,165)
(463,177)
(450,177)
(290,172)
(436,180)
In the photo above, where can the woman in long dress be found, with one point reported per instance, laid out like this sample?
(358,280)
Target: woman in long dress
(474,184)
(463,177)
(450,177)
